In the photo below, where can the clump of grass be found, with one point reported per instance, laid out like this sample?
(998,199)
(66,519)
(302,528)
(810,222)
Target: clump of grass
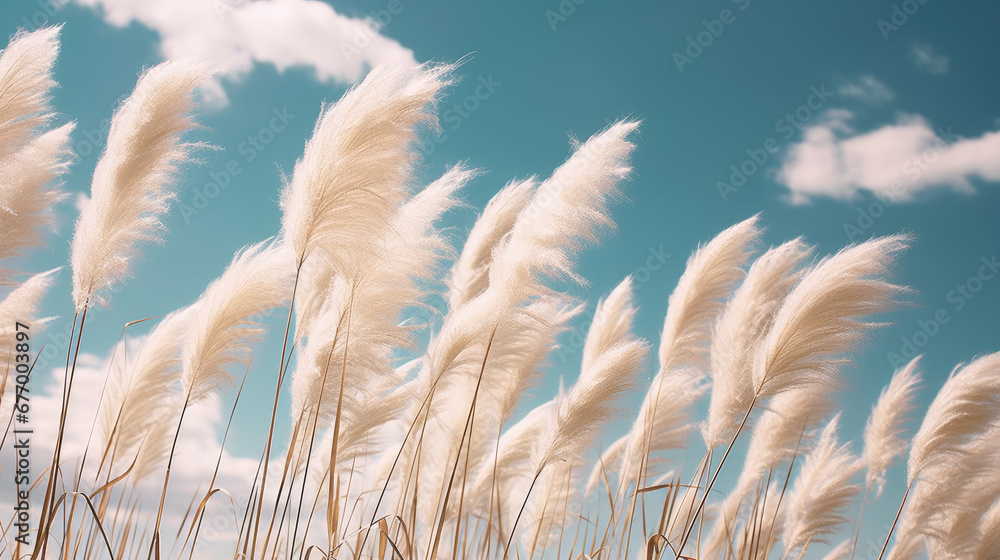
(423,458)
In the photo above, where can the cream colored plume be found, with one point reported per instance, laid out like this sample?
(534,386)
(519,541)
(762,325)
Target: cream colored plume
(968,403)
(701,294)
(225,320)
(612,322)
(567,211)
(135,401)
(470,275)
(373,303)
(822,319)
(28,193)
(815,506)
(951,456)
(840,552)
(883,442)
(26,80)
(356,167)
(21,305)
(664,417)
(135,179)
(745,321)
(591,400)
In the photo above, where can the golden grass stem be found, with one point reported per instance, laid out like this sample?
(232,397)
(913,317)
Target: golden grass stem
(274,409)
(701,505)
(48,501)
(896,520)
(468,427)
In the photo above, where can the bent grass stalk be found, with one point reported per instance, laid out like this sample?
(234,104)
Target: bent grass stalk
(701,505)
(48,501)
(265,457)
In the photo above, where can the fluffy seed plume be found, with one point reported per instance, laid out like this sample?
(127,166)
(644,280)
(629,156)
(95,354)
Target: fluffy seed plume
(225,319)
(134,402)
(612,322)
(470,275)
(134,180)
(567,211)
(989,534)
(951,456)
(701,293)
(372,303)
(840,552)
(355,167)
(883,442)
(27,192)
(822,318)
(25,80)
(21,304)
(590,401)
(822,491)
(747,318)
(968,403)
(778,432)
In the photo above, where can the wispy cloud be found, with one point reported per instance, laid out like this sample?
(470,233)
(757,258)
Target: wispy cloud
(900,160)
(926,58)
(237,34)
(868,89)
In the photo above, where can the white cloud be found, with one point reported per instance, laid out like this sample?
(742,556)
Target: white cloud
(868,89)
(929,60)
(239,33)
(900,160)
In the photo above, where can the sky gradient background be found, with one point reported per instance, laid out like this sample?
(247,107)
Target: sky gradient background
(848,97)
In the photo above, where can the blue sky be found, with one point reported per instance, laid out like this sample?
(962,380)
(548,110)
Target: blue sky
(835,100)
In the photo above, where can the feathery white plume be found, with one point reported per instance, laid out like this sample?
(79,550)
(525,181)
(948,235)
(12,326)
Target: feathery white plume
(372,303)
(565,212)
(949,498)
(568,210)
(135,402)
(967,404)
(225,319)
(822,318)
(951,455)
(701,293)
(25,80)
(591,400)
(779,430)
(27,193)
(21,305)
(745,321)
(989,534)
(612,322)
(357,164)
(134,180)
(777,436)
(663,421)
(821,492)
(840,552)
(470,274)
(883,442)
